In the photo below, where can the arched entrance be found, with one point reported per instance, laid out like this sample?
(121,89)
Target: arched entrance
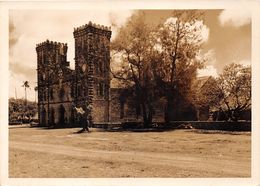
(43,117)
(61,115)
(52,117)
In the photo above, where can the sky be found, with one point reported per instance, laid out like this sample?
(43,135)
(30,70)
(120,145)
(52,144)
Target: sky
(228,39)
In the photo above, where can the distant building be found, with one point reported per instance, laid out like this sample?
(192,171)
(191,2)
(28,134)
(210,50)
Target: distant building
(201,85)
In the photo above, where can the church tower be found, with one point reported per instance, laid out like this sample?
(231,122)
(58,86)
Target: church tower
(92,67)
(52,65)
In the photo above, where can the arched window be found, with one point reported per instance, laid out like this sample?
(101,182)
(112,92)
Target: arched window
(61,115)
(100,89)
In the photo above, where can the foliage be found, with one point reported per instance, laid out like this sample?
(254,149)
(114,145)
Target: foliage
(235,85)
(206,93)
(25,85)
(230,93)
(17,109)
(161,61)
(134,46)
(179,41)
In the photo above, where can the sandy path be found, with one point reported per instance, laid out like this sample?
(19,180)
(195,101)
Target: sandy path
(35,152)
(155,158)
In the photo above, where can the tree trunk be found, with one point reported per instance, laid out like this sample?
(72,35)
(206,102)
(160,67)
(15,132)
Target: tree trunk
(169,107)
(166,112)
(198,114)
(25,96)
(235,115)
(150,114)
(145,119)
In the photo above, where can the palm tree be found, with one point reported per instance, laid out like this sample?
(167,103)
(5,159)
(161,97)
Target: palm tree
(25,85)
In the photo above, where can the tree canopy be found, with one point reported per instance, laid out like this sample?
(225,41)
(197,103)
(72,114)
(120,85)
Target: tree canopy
(159,61)
(135,47)
(18,109)
(235,86)
(229,93)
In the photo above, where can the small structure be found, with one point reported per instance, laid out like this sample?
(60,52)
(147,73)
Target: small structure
(201,85)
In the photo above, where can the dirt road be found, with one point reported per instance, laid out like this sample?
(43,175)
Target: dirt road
(60,153)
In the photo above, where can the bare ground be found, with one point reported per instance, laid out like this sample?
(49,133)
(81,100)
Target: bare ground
(58,153)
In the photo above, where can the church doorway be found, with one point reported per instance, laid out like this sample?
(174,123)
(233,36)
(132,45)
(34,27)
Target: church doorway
(52,117)
(62,115)
(43,117)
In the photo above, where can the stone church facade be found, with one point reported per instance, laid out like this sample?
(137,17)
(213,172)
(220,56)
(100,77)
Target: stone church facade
(61,89)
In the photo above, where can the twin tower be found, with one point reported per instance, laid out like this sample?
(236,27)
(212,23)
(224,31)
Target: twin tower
(61,89)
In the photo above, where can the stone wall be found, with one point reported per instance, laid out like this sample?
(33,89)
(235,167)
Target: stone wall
(216,125)
(122,106)
(99,112)
(114,105)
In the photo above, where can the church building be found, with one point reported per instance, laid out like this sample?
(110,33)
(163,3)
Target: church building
(61,89)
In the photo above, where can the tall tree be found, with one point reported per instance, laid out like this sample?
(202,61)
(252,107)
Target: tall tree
(231,92)
(133,45)
(26,86)
(179,42)
(235,84)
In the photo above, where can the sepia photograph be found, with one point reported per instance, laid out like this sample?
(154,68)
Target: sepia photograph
(130,93)
(139,93)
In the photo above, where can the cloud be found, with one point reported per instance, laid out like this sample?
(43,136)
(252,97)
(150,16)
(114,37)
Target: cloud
(209,70)
(119,18)
(235,17)
(210,57)
(13,37)
(210,61)
(23,70)
(16,89)
(202,29)
(245,62)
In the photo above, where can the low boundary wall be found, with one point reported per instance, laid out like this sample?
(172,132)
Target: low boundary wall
(205,125)
(216,125)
